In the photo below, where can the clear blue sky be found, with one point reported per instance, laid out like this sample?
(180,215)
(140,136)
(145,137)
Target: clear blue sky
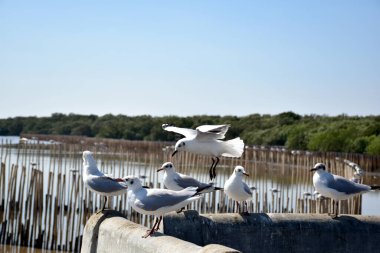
(189,57)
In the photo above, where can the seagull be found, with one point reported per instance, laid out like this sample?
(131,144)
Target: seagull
(98,182)
(206,140)
(157,201)
(236,189)
(176,181)
(336,187)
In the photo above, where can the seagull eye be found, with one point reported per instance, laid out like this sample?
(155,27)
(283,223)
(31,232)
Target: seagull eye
(169,166)
(131,181)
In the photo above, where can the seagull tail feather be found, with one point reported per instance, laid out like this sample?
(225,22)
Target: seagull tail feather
(234,147)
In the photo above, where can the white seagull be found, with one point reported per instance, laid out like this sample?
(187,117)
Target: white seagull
(97,182)
(336,187)
(206,140)
(236,189)
(176,181)
(157,201)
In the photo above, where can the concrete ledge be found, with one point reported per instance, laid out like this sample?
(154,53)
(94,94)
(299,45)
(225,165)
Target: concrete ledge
(111,232)
(278,232)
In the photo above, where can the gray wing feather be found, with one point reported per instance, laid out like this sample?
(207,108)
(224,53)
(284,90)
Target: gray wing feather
(247,190)
(185,181)
(105,184)
(342,184)
(152,202)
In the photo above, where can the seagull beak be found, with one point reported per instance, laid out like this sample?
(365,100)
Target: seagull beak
(313,169)
(245,173)
(175,151)
(160,169)
(120,180)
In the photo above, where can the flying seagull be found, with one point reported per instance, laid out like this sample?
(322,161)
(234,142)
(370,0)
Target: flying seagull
(207,140)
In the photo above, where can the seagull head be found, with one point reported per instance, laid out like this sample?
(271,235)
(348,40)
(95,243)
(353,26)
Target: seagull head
(88,159)
(180,145)
(168,166)
(318,166)
(132,182)
(240,171)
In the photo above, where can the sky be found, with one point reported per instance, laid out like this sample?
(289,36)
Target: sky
(189,57)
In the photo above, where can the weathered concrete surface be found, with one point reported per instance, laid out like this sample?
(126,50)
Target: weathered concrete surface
(278,232)
(111,232)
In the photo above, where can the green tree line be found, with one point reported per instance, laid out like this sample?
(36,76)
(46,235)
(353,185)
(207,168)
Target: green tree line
(310,132)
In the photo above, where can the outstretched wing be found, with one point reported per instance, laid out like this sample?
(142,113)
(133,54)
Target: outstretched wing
(184,131)
(212,131)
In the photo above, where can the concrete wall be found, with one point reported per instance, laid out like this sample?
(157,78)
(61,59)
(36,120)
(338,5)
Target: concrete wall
(110,232)
(278,232)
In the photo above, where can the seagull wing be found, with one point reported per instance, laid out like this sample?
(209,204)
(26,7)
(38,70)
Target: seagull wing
(342,184)
(247,189)
(185,181)
(106,184)
(158,198)
(179,130)
(212,131)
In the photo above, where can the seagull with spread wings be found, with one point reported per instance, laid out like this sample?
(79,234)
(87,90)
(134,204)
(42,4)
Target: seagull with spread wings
(207,140)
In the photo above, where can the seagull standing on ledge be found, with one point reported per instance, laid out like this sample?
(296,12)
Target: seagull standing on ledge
(206,140)
(336,187)
(97,182)
(157,201)
(236,189)
(176,181)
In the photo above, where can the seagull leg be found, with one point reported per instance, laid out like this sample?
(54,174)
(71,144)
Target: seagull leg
(334,214)
(151,232)
(210,171)
(213,170)
(104,205)
(158,224)
(246,208)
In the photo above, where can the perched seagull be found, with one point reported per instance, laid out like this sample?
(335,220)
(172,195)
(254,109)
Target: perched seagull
(236,189)
(176,181)
(206,140)
(157,201)
(336,187)
(97,182)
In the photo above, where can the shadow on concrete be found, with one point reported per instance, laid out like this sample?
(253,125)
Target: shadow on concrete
(98,219)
